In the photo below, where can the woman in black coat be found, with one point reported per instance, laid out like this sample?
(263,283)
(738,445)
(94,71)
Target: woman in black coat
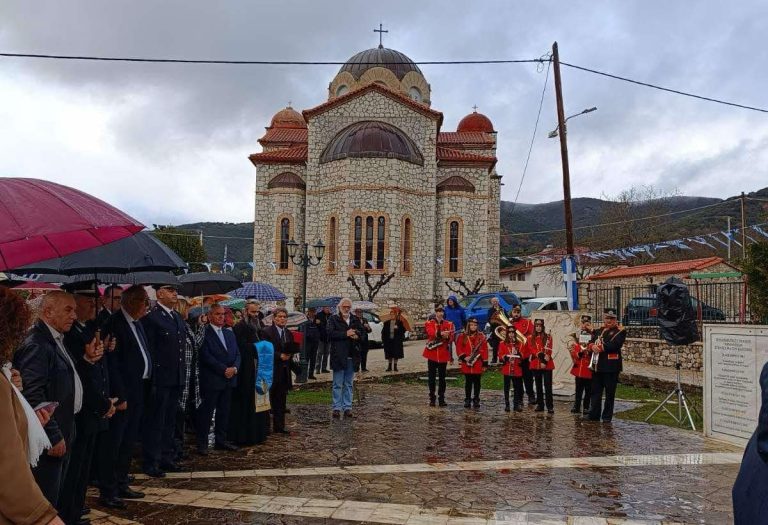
(392,336)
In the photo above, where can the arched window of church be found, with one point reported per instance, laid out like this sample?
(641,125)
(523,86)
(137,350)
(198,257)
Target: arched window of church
(453,247)
(332,249)
(357,250)
(285,236)
(415,94)
(406,245)
(341,90)
(380,243)
(368,242)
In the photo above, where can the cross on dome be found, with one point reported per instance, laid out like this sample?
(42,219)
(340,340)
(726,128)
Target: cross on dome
(473,107)
(381,32)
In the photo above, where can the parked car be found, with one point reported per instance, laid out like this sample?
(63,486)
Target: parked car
(544,303)
(642,311)
(477,305)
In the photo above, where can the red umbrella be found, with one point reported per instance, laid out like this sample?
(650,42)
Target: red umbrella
(42,220)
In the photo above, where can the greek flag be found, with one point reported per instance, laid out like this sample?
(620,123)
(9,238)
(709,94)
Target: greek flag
(568,265)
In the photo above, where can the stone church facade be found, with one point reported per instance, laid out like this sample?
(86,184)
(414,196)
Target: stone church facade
(371,174)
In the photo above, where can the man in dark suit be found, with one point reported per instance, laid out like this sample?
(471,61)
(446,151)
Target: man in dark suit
(166,336)
(606,342)
(49,374)
(284,346)
(219,361)
(86,349)
(110,303)
(130,372)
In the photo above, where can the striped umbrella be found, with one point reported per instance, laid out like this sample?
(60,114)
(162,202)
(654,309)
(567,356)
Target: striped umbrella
(259,291)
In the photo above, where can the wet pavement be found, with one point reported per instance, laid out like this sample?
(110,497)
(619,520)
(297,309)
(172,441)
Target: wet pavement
(400,461)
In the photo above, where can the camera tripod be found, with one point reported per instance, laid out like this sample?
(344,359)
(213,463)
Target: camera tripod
(682,400)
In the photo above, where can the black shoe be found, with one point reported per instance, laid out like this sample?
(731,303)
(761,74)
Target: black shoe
(389,368)
(395,368)
(550,411)
(506,407)
(606,420)
(311,376)
(170,467)
(226,445)
(575,410)
(348,413)
(467,403)
(531,401)
(539,409)
(442,402)
(202,451)
(281,431)
(586,412)
(364,369)
(518,408)
(154,472)
(324,371)
(130,494)
(84,521)
(112,503)
(432,402)
(336,414)
(131,479)
(287,411)
(85,510)
(476,403)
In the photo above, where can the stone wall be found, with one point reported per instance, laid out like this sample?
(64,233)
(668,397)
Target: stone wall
(660,353)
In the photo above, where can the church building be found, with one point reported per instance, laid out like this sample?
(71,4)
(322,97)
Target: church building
(372,174)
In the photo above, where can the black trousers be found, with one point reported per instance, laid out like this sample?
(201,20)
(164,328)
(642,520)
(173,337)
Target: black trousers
(544,388)
(312,345)
(75,484)
(220,401)
(472,382)
(603,381)
(114,448)
(436,375)
(278,395)
(159,426)
(364,356)
(323,352)
(517,383)
(528,380)
(583,390)
(494,344)
(49,475)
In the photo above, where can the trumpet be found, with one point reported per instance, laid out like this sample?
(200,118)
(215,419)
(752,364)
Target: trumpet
(504,324)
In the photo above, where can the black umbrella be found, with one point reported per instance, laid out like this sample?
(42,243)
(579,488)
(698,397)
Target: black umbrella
(207,283)
(144,278)
(140,253)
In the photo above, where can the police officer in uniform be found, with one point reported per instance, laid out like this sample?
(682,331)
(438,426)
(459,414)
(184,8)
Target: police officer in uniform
(606,342)
(166,337)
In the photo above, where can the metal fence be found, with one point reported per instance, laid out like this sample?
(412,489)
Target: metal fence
(715,302)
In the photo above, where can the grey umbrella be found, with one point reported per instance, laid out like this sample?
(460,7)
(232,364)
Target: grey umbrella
(207,283)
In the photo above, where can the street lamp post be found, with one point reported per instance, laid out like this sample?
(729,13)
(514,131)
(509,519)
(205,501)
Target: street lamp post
(304,260)
(554,133)
(535,289)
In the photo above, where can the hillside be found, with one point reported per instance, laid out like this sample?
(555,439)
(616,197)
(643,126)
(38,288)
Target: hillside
(518,220)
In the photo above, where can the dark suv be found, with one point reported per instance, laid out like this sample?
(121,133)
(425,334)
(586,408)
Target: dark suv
(642,311)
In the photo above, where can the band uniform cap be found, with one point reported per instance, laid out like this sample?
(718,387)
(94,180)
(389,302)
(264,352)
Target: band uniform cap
(610,312)
(472,320)
(538,321)
(81,289)
(586,318)
(517,308)
(439,308)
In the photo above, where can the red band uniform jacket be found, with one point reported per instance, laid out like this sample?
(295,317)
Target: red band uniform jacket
(538,345)
(441,354)
(581,359)
(609,360)
(507,353)
(464,345)
(525,327)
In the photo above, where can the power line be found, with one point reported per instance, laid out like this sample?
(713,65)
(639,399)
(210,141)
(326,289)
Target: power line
(260,62)
(661,88)
(533,138)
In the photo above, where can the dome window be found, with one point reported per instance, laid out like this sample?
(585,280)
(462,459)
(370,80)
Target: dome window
(342,90)
(415,94)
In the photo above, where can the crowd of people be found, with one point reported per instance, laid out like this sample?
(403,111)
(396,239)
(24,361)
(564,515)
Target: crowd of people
(90,376)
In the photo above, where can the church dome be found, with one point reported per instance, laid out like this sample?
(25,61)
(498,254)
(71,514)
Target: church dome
(476,122)
(395,61)
(288,118)
(372,139)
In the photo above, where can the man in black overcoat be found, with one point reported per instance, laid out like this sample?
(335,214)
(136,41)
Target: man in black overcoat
(606,342)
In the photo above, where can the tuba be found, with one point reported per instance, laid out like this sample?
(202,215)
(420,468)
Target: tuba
(504,324)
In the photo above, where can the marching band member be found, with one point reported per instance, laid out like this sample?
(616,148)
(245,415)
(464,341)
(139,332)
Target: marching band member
(510,356)
(581,357)
(472,350)
(525,327)
(541,366)
(494,323)
(438,355)
(606,342)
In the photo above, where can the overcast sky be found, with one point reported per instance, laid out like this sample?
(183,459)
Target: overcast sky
(169,143)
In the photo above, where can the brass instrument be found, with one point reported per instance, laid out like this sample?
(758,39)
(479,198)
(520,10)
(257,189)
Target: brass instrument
(504,324)
(475,354)
(438,341)
(595,356)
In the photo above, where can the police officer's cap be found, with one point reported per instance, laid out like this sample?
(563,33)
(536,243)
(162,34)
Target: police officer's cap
(586,318)
(610,312)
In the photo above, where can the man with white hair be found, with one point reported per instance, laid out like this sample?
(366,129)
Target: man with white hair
(344,333)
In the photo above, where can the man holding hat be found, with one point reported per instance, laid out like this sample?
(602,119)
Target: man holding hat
(166,337)
(606,342)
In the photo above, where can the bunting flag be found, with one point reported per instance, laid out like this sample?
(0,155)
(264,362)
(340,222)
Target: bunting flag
(700,240)
(729,235)
(759,230)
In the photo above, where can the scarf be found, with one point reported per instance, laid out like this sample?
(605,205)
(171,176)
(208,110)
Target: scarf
(37,439)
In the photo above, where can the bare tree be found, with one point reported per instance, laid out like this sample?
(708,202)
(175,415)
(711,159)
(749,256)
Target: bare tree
(373,287)
(464,290)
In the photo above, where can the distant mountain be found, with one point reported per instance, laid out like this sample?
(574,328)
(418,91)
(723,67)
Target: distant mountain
(518,221)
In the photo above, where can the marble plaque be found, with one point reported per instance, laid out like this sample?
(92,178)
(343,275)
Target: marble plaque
(734,356)
(562,326)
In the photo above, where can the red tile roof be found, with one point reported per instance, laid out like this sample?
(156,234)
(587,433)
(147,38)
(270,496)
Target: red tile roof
(464,137)
(294,155)
(421,108)
(284,136)
(454,156)
(679,268)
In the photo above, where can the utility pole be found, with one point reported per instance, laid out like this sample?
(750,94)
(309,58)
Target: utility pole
(743,227)
(563,154)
